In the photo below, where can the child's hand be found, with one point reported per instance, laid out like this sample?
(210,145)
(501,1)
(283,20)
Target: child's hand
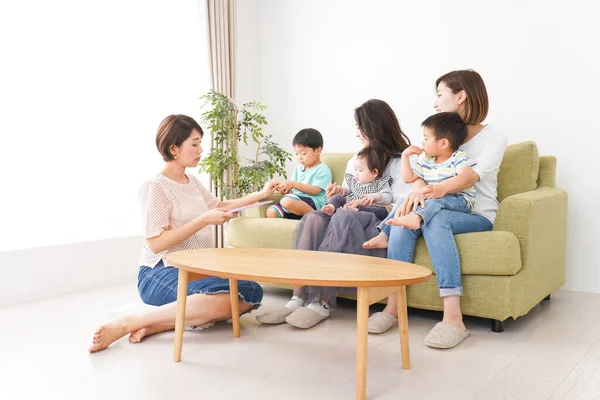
(328,209)
(285,187)
(410,150)
(435,192)
(371,198)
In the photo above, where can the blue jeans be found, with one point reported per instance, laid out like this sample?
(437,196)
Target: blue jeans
(158,286)
(439,236)
(453,202)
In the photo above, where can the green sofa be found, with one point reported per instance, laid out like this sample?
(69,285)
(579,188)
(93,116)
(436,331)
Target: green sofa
(506,272)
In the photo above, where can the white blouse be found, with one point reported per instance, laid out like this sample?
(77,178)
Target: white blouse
(166,204)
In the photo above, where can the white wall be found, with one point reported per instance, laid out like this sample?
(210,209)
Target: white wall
(312,62)
(83,87)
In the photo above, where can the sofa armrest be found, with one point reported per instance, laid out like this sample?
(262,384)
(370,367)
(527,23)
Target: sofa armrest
(547,173)
(261,212)
(538,219)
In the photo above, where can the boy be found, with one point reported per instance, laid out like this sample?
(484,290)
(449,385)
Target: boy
(439,162)
(305,192)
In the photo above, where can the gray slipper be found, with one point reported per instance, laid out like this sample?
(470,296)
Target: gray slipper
(274,316)
(304,318)
(445,336)
(381,322)
(199,327)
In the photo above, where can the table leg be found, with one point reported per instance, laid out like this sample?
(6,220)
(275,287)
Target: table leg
(403,327)
(235,307)
(362,321)
(182,287)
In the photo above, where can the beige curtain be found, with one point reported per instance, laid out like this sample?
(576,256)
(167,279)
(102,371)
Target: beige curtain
(222,40)
(222,22)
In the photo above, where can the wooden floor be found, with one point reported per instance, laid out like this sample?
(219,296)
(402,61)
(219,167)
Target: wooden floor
(552,353)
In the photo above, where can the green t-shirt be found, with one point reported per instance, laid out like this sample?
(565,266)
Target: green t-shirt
(317,176)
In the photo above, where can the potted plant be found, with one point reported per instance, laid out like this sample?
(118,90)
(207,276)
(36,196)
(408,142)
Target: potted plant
(232,177)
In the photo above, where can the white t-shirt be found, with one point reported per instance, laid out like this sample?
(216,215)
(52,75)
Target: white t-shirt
(166,204)
(399,188)
(487,149)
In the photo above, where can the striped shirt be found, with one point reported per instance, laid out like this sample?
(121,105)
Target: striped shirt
(434,174)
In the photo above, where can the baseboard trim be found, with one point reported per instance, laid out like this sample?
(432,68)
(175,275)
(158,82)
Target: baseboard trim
(37,273)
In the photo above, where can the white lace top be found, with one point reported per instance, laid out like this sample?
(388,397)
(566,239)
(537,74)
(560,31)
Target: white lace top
(166,204)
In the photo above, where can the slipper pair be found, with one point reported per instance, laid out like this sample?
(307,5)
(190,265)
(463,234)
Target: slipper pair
(442,336)
(302,317)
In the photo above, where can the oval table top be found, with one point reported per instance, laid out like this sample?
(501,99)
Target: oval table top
(299,267)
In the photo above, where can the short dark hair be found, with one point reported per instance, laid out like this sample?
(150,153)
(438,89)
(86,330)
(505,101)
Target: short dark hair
(477,104)
(173,131)
(448,125)
(308,137)
(373,159)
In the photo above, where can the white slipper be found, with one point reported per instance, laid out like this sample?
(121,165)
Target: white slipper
(445,336)
(381,321)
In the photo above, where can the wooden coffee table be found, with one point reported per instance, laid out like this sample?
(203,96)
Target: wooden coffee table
(375,279)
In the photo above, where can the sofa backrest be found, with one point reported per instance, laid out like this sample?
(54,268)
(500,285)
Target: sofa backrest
(519,169)
(337,163)
(522,169)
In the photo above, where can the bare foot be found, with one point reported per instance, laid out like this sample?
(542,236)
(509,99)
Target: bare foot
(410,221)
(378,242)
(107,334)
(137,336)
(328,209)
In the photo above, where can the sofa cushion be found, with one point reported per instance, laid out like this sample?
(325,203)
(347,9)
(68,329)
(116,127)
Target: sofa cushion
(481,253)
(519,170)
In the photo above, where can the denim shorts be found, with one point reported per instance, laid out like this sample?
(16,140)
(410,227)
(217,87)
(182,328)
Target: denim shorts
(158,286)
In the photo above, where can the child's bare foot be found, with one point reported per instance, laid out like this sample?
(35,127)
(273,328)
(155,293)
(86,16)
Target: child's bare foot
(410,221)
(378,242)
(107,334)
(137,336)
(328,209)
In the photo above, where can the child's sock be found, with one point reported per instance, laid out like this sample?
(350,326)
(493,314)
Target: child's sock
(295,303)
(321,309)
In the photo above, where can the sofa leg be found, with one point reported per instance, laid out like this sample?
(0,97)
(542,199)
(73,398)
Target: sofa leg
(497,326)
(547,297)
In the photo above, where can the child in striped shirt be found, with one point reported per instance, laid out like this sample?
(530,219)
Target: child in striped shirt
(438,161)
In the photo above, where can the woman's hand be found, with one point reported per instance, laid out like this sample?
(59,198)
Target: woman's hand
(216,216)
(411,202)
(333,189)
(352,205)
(269,188)
(285,187)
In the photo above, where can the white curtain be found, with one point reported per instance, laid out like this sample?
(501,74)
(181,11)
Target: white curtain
(222,22)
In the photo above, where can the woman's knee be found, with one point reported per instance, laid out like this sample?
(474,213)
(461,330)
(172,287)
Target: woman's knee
(313,219)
